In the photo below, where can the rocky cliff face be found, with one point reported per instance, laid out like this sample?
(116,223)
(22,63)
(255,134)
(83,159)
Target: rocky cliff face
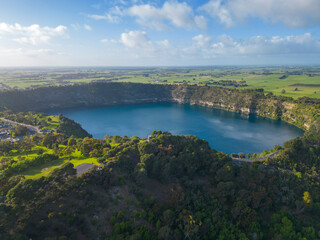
(249,103)
(107,94)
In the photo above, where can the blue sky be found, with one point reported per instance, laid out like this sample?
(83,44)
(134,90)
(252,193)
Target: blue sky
(159,33)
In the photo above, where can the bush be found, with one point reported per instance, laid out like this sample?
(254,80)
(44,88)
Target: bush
(23,165)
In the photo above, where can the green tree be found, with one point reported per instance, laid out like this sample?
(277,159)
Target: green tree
(307,198)
(234,155)
(49,140)
(169,217)
(20,130)
(72,141)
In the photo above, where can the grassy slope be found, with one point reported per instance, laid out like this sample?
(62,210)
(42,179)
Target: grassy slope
(32,154)
(53,124)
(76,159)
(44,169)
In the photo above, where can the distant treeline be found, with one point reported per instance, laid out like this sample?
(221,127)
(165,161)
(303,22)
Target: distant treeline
(305,85)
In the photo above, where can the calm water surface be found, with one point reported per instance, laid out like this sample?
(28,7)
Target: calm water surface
(225,131)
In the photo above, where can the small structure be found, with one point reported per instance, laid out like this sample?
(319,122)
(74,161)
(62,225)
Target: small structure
(46,131)
(4,134)
(99,168)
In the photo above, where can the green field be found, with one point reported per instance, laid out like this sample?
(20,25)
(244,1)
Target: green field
(306,86)
(45,169)
(76,158)
(305,79)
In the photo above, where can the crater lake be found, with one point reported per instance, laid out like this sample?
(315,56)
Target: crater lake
(225,131)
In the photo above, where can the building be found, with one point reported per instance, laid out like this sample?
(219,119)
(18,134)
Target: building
(46,131)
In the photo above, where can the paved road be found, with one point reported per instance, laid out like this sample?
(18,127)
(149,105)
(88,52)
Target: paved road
(30,128)
(237,161)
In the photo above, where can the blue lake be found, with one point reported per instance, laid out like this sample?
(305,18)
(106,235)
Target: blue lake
(225,131)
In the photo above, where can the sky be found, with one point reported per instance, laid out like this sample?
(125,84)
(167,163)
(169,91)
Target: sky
(159,33)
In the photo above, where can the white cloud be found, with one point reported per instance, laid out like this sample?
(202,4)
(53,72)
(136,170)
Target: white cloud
(75,26)
(203,49)
(202,41)
(217,10)
(135,39)
(121,2)
(96,6)
(105,41)
(30,52)
(179,14)
(29,57)
(108,41)
(257,45)
(201,22)
(292,13)
(97,17)
(87,27)
(126,2)
(176,13)
(165,44)
(139,48)
(111,16)
(33,34)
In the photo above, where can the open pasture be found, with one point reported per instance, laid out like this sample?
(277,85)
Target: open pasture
(290,81)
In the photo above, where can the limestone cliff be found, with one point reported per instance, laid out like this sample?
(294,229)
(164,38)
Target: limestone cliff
(107,94)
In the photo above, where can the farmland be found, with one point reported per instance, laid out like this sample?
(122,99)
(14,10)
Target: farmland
(290,81)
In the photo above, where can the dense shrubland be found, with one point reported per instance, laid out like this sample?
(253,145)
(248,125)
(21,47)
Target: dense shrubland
(170,187)
(301,155)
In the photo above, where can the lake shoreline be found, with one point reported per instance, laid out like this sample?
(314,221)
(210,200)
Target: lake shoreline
(195,119)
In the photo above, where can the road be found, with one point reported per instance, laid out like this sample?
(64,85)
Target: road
(237,161)
(29,127)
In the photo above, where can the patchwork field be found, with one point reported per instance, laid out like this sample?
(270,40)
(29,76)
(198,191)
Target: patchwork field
(288,81)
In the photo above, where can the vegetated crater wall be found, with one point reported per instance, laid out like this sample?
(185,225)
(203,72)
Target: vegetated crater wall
(108,94)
